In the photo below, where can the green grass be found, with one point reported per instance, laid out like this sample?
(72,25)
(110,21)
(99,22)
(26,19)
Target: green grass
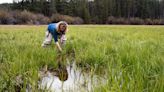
(132,56)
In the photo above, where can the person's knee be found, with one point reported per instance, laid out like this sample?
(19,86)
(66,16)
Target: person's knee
(46,43)
(63,38)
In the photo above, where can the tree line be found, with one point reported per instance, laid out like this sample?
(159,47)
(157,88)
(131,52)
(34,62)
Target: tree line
(95,11)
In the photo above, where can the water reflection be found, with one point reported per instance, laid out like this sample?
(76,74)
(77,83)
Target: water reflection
(69,78)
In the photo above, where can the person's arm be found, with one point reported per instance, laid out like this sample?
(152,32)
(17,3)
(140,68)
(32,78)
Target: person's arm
(56,42)
(58,46)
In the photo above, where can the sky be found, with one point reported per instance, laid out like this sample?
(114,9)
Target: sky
(6,1)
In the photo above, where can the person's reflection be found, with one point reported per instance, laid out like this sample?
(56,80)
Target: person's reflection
(62,72)
(62,68)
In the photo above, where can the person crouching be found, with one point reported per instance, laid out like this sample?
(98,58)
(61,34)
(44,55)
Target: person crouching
(57,31)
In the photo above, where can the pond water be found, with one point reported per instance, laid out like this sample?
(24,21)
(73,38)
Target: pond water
(74,80)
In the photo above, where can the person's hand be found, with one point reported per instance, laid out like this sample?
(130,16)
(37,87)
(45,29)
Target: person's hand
(60,50)
(58,46)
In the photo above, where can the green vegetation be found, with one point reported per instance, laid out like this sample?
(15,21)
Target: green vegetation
(132,56)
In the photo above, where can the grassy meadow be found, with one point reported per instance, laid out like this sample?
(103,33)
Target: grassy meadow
(131,56)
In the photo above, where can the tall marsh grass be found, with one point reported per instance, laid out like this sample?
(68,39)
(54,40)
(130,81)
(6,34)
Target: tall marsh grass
(132,56)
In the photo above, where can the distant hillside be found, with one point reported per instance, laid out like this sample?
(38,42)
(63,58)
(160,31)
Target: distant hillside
(95,11)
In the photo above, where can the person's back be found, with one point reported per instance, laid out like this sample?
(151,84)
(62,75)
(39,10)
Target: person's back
(52,27)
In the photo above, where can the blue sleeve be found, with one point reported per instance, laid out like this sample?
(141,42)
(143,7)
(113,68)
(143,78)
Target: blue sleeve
(55,37)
